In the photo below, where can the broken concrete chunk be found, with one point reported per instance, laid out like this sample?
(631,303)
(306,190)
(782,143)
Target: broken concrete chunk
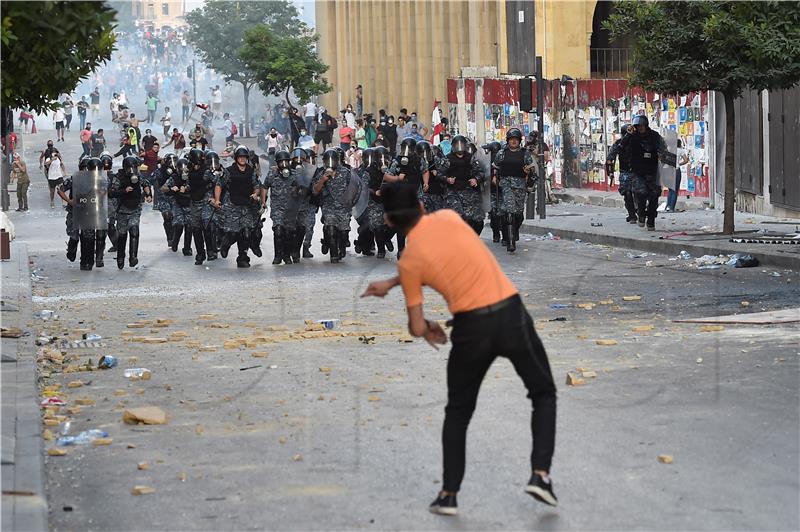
(136,325)
(605,341)
(631,298)
(574,380)
(154,340)
(711,328)
(142,490)
(588,374)
(665,458)
(143,466)
(148,415)
(102,441)
(55,451)
(643,328)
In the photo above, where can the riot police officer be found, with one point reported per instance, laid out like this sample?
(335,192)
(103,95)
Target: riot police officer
(200,190)
(513,165)
(257,208)
(112,203)
(624,173)
(410,168)
(177,185)
(131,190)
(242,190)
(64,191)
(163,201)
(645,147)
(463,183)
(279,183)
(375,164)
(330,189)
(214,171)
(434,186)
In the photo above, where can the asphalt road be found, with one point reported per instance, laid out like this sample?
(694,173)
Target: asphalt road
(332,433)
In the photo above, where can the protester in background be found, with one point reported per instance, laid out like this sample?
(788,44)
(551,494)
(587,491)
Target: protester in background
(672,196)
(186,102)
(86,138)
(361,134)
(346,136)
(178,140)
(152,106)
(82,106)
(95,99)
(59,117)
(56,171)
(68,105)
(311,111)
(166,122)
(19,173)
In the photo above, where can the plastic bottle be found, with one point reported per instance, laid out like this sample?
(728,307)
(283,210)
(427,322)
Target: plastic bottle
(92,337)
(137,373)
(87,436)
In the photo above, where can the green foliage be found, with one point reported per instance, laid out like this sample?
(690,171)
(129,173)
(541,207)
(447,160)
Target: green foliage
(217,31)
(281,63)
(49,47)
(726,46)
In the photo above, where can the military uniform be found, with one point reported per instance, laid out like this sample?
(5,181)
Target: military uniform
(461,196)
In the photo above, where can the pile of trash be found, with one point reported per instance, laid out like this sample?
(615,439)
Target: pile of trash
(715,262)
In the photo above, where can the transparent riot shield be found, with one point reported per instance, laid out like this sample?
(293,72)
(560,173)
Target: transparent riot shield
(485,161)
(90,195)
(357,194)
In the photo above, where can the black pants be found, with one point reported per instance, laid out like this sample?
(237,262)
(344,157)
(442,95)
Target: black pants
(477,341)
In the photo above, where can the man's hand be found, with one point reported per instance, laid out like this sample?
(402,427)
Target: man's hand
(473,182)
(128,189)
(425,187)
(174,189)
(435,335)
(379,288)
(182,189)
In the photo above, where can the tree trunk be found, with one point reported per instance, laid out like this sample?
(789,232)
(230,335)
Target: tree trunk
(246,90)
(730,177)
(287,97)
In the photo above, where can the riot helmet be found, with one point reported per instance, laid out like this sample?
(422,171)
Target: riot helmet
(472,149)
(340,151)
(640,119)
(130,167)
(94,163)
(299,156)
(182,169)
(424,151)
(196,158)
(369,158)
(107,160)
(330,159)
(212,162)
(283,160)
(384,156)
(623,129)
(514,133)
(169,162)
(491,147)
(312,155)
(407,146)
(241,151)
(82,162)
(459,144)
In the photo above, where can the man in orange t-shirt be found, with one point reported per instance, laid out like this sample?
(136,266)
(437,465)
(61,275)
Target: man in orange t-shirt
(489,319)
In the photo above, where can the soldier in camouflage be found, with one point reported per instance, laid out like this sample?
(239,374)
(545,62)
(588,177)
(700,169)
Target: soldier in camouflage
(241,191)
(177,187)
(513,166)
(464,176)
(131,190)
(163,201)
(330,187)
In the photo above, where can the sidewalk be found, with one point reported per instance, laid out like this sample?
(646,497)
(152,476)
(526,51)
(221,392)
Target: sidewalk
(695,231)
(24,505)
(612,198)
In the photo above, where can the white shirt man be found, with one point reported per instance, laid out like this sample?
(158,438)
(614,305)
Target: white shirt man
(311,109)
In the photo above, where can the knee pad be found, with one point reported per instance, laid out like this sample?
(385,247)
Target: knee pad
(134,231)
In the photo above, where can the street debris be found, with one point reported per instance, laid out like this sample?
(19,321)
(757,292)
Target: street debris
(548,236)
(643,328)
(329,323)
(586,306)
(367,340)
(665,458)
(560,305)
(142,490)
(92,337)
(560,318)
(711,328)
(596,224)
(45,315)
(142,466)
(11,332)
(739,260)
(136,374)
(250,367)
(684,255)
(631,298)
(107,362)
(87,436)
(53,451)
(574,380)
(699,360)
(605,342)
(147,415)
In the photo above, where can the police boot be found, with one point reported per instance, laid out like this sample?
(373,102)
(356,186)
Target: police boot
(512,242)
(255,240)
(307,251)
(343,244)
(401,244)
(133,253)
(494,222)
(177,231)
(288,238)
(243,243)
(477,225)
(329,237)
(167,223)
(187,242)
(367,238)
(72,249)
(99,247)
(211,244)
(277,243)
(121,239)
(87,253)
(225,244)
(297,243)
(112,237)
(326,238)
(199,245)
(518,219)
(380,242)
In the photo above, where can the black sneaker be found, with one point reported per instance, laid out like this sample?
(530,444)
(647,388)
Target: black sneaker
(541,491)
(444,505)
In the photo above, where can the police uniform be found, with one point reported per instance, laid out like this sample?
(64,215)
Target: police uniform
(625,175)
(237,212)
(510,165)
(413,171)
(201,186)
(162,201)
(461,196)
(181,212)
(434,198)
(128,214)
(644,152)
(280,188)
(335,211)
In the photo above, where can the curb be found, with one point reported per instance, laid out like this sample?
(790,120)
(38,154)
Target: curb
(26,509)
(664,247)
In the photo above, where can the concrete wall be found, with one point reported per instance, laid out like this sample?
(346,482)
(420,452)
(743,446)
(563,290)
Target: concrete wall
(563,36)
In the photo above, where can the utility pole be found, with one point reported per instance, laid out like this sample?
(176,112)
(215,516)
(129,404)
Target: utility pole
(194,82)
(540,188)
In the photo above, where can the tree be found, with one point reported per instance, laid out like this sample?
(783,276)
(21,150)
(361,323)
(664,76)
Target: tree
(724,46)
(284,63)
(217,29)
(49,47)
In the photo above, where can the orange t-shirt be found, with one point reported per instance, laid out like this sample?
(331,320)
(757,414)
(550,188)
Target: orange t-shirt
(444,253)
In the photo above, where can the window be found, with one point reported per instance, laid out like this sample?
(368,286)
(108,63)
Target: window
(165,8)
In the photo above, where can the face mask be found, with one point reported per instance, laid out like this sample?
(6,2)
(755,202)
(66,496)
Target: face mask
(169,171)
(303,133)
(134,179)
(285,172)
(273,135)
(403,160)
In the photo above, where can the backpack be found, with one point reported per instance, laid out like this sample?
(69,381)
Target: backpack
(234,129)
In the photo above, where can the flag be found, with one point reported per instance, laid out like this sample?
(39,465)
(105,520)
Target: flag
(436,123)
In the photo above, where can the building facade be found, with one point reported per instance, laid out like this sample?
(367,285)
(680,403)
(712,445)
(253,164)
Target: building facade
(402,51)
(159,13)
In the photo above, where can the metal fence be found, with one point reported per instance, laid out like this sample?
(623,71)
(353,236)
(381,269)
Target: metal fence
(609,63)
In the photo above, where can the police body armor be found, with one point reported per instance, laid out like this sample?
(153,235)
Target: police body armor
(239,185)
(461,169)
(130,200)
(198,186)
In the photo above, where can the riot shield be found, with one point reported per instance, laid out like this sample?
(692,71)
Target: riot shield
(300,189)
(667,162)
(357,195)
(485,161)
(90,194)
